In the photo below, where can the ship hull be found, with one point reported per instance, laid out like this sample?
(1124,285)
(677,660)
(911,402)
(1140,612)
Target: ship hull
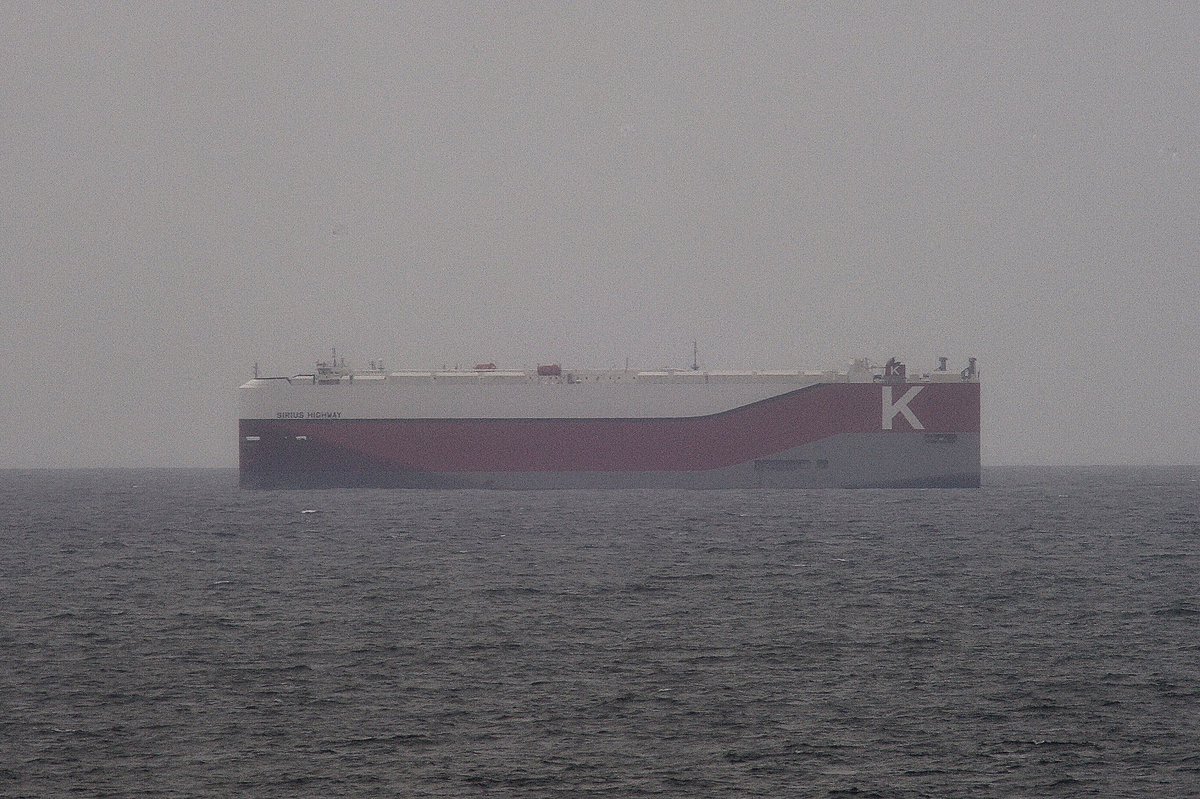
(820,436)
(906,461)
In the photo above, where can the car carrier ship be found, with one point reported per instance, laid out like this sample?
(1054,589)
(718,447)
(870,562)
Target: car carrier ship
(550,427)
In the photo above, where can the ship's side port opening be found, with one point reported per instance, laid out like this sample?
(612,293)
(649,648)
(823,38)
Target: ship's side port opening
(253,438)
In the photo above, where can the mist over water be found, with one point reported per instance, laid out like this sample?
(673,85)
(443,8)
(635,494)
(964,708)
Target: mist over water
(189,189)
(193,188)
(167,634)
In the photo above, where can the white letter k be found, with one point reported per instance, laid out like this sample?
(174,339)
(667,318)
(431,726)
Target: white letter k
(900,407)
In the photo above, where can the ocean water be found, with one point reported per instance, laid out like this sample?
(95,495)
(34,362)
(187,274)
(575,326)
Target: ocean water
(163,633)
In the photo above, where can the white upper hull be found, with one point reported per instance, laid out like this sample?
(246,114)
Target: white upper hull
(429,398)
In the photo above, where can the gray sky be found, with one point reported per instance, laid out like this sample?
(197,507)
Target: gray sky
(186,189)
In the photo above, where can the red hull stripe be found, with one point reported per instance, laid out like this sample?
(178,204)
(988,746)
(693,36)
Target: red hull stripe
(753,431)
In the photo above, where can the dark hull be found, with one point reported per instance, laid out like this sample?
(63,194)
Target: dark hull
(301,480)
(913,460)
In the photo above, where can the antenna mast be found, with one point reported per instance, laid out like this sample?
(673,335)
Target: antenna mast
(695,357)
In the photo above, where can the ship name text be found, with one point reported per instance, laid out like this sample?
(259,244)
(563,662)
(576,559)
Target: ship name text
(308,415)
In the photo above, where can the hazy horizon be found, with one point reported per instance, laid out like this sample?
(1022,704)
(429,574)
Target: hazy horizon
(189,189)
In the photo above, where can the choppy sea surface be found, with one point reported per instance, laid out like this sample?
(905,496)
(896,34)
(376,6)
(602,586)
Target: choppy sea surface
(163,633)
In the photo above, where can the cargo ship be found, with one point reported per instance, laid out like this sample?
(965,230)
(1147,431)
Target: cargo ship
(866,427)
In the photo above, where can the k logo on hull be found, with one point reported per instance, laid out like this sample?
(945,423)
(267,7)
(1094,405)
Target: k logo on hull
(900,407)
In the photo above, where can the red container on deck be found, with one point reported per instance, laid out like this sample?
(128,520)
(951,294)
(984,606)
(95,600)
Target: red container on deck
(550,370)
